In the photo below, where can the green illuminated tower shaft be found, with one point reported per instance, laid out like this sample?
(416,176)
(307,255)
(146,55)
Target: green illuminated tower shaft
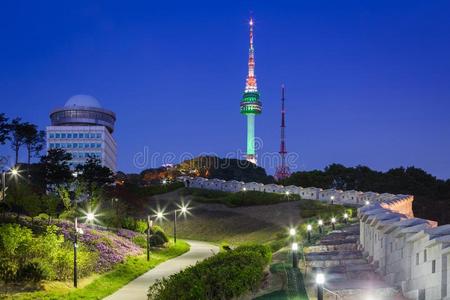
(250,104)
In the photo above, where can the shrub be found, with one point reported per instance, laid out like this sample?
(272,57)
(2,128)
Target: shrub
(32,271)
(158,236)
(141,226)
(140,240)
(226,275)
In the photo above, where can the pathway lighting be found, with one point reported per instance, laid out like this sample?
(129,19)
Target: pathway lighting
(367,202)
(294,255)
(345,218)
(320,281)
(320,222)
(292,232)
(308,229)
(333,222)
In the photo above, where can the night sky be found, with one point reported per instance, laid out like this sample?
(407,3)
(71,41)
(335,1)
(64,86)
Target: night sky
(367,82)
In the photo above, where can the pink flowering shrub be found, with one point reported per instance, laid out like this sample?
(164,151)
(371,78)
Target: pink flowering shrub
(112,248)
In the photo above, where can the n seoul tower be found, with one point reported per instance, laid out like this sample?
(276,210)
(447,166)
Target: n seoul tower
(250,104)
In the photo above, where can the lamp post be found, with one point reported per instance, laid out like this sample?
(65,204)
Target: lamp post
(320,222)
(294,255)
(292,233)
(183,209)
(149,226)
(333,222)
(320,281)
(14,172)
(308,230)
(345,218)
(332,199)
(367,202)
(89,217)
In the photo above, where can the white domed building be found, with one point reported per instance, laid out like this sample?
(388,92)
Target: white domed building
(84,129)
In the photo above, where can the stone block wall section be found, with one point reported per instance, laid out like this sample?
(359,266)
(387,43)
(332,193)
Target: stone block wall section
(410,253)
(310,193)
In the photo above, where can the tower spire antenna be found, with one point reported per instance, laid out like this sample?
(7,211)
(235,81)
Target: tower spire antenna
(282,170)
(250,104)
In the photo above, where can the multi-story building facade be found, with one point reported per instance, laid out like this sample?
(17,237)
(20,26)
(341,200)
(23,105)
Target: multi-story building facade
(84,129)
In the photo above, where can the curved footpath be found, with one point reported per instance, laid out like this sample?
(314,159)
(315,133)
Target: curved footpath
(137,289)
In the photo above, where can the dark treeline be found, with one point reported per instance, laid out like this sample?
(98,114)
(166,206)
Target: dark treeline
(432,195)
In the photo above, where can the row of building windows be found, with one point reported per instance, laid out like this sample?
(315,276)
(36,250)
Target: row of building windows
(74,145)
(75,135)
(433,262)
(76,155)
(82,114)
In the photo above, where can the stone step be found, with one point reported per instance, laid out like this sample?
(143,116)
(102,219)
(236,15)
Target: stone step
(333,263)
(347,246)
(333,255)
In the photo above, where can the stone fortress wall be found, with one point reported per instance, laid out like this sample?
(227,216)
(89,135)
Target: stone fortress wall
(410,253)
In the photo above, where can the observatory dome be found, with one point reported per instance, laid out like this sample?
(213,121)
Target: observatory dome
(82,100)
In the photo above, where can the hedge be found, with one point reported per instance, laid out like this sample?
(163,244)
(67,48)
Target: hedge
(224,276)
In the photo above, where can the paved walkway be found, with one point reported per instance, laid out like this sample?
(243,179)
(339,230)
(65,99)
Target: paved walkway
(137,289)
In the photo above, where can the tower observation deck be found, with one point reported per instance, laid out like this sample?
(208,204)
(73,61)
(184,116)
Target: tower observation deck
(250,103)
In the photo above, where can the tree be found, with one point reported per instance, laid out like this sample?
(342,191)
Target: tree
(34,140)
(4,129)
(55,168)
(92,173)
(18,132)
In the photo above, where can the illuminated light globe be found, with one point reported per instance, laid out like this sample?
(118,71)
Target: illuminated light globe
(159,215)
(294,246)
(292,231)
(309,227)
(333,220)
(320,222)
(346,216)
(320,278)
(90,216)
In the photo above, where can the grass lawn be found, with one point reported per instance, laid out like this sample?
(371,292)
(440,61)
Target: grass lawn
(100,286)
(247,198)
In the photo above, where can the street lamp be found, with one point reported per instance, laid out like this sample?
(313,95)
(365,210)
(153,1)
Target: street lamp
(292,232)
(345,218)
(183,209)
(14,172)
(149,226)
(333,221)
(244,189)
(320,222)
(332,199)
(89,217)
(367,202)
(320,281)
(308,229)
(294,255)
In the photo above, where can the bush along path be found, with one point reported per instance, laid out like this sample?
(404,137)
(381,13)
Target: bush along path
(227,275)
(138,288)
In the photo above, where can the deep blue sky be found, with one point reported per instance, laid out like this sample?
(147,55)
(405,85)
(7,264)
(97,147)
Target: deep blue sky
(367,82)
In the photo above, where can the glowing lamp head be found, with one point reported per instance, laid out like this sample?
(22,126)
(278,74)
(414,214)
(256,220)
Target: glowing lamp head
(367,202)
(164,181)
(346,216)
(294,246)
(320,278)
(251,22)
(90,216)
(309,227)
(320,222)
(333,220)
(159,215)
(287,193)
(14,171)
(244,189)
(292,232)
(183,209)
(332,197)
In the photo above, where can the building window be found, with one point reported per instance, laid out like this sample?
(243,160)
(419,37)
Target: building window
(99,135)
(99,145)
(57,135)
(63,135)
(80,145)
(433,266)
(392,247)
(417,259)
(57,145)
(69,145)
(80,135)
(92,145)
(52,146)
(52,135)
(75,135)
(75,145)
(92,135)
(425,255)
(86,145)
(69,135)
